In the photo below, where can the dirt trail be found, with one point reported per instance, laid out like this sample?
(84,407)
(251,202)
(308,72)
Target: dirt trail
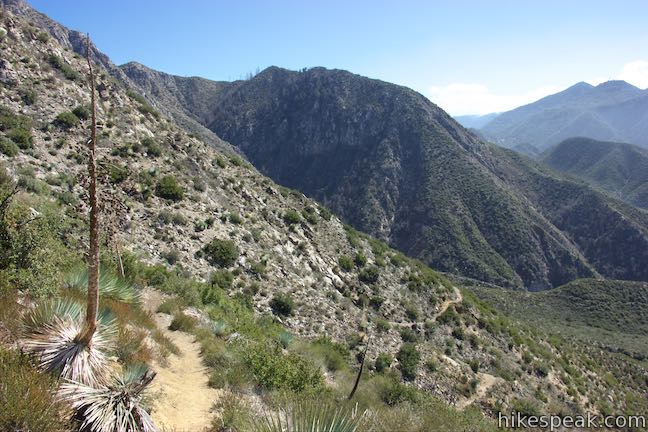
(446,304)
(486,381)
(458,298)
(183,399)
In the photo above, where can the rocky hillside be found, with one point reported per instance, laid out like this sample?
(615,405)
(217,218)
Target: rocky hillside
(429,187)
(612,111)
(272,252)
(75,41)
(618,168)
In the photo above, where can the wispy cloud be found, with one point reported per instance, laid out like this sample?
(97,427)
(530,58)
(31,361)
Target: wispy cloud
(636,73)
(470,98)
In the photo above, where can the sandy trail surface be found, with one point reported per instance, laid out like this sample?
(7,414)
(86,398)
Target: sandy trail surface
(183,401)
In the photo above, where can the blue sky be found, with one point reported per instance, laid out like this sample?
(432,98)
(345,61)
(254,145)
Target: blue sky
(470,57)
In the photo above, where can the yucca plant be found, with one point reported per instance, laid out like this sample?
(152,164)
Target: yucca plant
(219,328)
(112,408)
(52,331)
(312,417)
(110,285)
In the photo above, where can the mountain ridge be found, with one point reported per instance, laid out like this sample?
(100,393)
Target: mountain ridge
(253,264)
(426,177)
(618,168)
(611,111)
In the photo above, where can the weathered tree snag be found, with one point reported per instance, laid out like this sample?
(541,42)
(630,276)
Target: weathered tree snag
(93,253)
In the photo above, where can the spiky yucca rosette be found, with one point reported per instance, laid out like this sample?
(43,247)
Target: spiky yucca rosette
(51,336)
(112,408)
(312,417)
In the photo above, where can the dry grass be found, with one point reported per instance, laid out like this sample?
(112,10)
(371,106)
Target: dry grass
(27,401)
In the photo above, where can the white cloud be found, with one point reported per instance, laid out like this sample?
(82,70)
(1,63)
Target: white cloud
(467,98)
(636,73)
(473,98)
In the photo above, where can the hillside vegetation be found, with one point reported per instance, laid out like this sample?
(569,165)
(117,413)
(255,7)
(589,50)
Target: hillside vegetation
(609,314)
(618,168)
(429,187)
(283,298)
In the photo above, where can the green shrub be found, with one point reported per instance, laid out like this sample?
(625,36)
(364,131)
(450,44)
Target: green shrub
(170,306)
(275,371)
(383,362)
(211,294)
(325,213)
(235,219)
(382,325)
(199,184)
(474,365)
(154,150)
(10,120)
(335,354)
(42,37)
(66,120)
(258,268)
(171,256)
(450,316)
(541,369)
(431,365)
(458,333)
(411,312)
(393,393)
(220,162)
(409,335)
(369,275)
(58,63)
(82,112)
(222,279)
(147,142)
(28,96)
(182,322)
(235,413)
(169,188)
(360,259)
(236,161)
(345,262)
(376,301)
(282,304)
(526,407)
(409,358)
(291,217)
(117,173)
(143,106)
(31,254)
(22,137)
(222,253)
(67,198)
(8,148)
(310,215)
(28,397)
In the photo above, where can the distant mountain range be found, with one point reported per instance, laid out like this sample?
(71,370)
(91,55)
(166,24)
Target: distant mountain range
(612,111)
(621,169)
(393,164)
(475,121)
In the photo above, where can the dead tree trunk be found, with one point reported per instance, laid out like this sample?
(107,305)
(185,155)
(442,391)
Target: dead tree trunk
(93,253)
